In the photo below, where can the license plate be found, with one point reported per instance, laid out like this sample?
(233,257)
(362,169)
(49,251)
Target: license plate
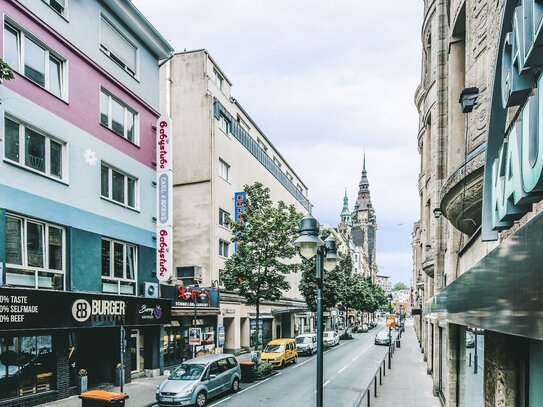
(167,399)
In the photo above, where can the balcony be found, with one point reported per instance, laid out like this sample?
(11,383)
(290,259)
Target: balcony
(462,193)
(420,282)
(428,266)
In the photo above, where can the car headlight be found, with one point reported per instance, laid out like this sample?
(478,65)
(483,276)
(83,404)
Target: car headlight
(277,358)
(186,392)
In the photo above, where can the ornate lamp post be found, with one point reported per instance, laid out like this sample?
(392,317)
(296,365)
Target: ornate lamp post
(195,292)
(310,244)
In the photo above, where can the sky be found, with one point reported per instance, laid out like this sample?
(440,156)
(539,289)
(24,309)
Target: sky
(325,81)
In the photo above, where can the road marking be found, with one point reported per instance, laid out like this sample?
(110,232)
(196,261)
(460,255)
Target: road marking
(256,384)
(343,368)
(300,364)
(219,402)
(356,357)
(327,381)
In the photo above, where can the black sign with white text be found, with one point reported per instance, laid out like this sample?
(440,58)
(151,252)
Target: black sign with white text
(34,309)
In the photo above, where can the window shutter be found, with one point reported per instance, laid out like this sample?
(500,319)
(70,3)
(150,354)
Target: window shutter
(118,45)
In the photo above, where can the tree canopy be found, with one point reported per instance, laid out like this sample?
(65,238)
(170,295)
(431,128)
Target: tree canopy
(400,286)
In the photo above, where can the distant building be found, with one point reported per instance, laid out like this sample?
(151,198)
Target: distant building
(384,282)
(218,149)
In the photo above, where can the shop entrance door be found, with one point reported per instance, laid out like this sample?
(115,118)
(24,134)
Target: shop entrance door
(134,350)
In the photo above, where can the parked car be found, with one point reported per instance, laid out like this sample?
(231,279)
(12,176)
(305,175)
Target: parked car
(382,338)
(470,339)
(331,338)
(198,379)
(279,352)
(306,344)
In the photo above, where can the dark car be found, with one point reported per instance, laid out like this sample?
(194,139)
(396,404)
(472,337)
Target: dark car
(470,340)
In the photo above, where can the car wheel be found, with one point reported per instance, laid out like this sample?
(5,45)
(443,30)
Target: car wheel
(201,399)
(235,386)
(283,364)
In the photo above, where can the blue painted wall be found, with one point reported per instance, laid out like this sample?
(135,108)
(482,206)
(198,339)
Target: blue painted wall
(85,261)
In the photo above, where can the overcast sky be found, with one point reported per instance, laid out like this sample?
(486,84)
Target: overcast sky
(325,80)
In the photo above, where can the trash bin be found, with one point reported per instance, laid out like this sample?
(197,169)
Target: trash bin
(102,398)
(397,343)
(247,371)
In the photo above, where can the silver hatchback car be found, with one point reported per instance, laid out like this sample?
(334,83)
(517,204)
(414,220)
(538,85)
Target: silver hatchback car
(196,380)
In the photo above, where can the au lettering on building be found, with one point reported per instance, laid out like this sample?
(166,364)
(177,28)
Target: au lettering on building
(477,246)
(77,191)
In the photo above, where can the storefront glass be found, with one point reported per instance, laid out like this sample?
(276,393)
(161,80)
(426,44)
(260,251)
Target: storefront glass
(27,365)
(471,355)
(173,346)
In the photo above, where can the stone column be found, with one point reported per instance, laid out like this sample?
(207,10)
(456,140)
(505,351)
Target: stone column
(500,367)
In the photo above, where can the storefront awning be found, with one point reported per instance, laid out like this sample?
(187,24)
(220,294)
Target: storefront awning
(503,292)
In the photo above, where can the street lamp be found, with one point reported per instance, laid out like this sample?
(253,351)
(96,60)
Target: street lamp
(310,244)
(195,292)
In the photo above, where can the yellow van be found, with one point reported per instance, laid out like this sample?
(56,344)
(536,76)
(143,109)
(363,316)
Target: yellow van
(279,352)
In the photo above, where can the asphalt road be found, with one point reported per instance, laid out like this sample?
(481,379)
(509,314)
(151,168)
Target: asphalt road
(348,369)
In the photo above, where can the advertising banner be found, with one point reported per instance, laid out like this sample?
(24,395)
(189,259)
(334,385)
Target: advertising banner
(186,296)
(164,185)
(34,309)
(221,336)
(195,336)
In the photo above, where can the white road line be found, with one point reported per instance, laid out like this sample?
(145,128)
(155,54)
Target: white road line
(300,364)
(327,381)
(219,402)
(343,368)
(356,357)
(256,384)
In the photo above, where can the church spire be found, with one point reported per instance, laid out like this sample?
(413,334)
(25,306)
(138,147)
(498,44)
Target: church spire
(345,213)
(363,200)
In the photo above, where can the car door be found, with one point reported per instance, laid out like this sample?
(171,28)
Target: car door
(214,384)
(223,374)
(314,344)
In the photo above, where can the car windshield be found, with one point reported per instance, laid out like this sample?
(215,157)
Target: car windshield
(274,348)
(303,339)
(187,372)
(382,334)
(328,334)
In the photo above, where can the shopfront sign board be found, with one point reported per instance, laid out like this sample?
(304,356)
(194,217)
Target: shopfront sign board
(195,336)
(221,336)
(35,309)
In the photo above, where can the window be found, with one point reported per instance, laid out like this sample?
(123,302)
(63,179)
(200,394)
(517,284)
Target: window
(224,170)
(58,5)
(299,188)
(243,124)
(35,254)
(262,146)
(223,218)
(119,267)
(223,248)
(33,150)
(117,47)
(224,124)
(217,78)
(289,176)
(34,60)
(118,117)
(33,365)
(277,162)
(119,187)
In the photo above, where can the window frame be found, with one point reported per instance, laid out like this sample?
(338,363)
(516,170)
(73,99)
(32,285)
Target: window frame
(49,53)
(126,176)
(115,58)
(223,165)
(223,217)
(45,250)
(126,110)
(218,79)
(224,245)
(64,13)
(47,154)
(111,279)
(225,124)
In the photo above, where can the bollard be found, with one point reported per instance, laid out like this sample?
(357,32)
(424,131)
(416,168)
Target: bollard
(375,386)
(384,367)
(380,375)
(368,397)
(469,360)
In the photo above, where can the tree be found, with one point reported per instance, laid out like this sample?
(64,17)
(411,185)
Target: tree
(334,285)
(400,286)
(257,271)
(6,73)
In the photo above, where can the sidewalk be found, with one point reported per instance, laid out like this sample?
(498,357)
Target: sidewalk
(407,383)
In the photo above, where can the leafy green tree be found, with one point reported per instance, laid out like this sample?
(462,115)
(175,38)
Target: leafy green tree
(257,271)
(400,286)
(334,285)
(6,73)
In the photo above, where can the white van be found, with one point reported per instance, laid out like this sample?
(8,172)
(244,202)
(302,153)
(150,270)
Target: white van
(306,344)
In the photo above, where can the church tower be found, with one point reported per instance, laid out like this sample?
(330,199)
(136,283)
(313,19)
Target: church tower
(364,221)
(345,222)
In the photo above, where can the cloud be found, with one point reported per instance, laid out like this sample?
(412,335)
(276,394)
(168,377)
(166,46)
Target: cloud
(324,80)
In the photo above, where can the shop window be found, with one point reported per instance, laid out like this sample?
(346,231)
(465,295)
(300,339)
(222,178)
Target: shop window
(173,346)
(31,58)
(119,265)
(470,375)
(28,365)
(118,117)
(35,254)
(119,187)
(33,150)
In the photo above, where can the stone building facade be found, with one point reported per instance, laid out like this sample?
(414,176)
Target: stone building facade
(475,334)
